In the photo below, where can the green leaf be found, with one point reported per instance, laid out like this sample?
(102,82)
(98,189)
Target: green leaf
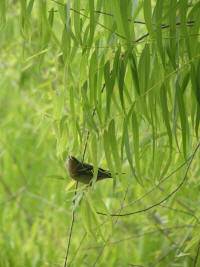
(124,14)
(88,110)
(121,76)
(92,23)
(2,14)
(108,151)
(173,43)
(93,78)
(165,112)
(118,17)
(66,44)
(134,72)
(144,69)
(197,121)
(30,7)
(114,145)
(72,104)
(63,124)
(77,21)
(116,63)
(126,142)
(147,14)
(109,87)
(51,17)
(159,36)
(183,117)
(136,142)
(94,150)
(92,219)
(55,176)
(88,218)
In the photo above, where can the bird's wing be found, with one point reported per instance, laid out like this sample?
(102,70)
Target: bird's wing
(85,169)
(104,173)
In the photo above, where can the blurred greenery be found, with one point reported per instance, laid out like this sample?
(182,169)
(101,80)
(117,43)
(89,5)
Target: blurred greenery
(57,64)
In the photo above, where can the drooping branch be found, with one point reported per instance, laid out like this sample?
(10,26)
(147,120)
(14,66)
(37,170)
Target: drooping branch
(173,192)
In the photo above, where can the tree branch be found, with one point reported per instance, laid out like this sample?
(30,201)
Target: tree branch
(165,198)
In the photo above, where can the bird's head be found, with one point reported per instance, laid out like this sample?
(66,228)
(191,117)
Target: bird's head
(71,165)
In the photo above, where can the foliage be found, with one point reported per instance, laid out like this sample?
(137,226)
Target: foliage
(116,83)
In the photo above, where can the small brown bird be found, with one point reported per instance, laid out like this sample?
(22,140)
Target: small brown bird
(83,172)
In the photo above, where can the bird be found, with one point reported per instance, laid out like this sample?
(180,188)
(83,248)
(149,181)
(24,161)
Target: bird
(83,172)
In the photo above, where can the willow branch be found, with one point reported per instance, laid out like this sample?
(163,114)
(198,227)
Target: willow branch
(165,198)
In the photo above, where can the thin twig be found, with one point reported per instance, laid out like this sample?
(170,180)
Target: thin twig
(141,235)
(108,239)
(165,198)
(182,211)
(77,250)
(14,196)
(163,26)
(159,184)
(71,227)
